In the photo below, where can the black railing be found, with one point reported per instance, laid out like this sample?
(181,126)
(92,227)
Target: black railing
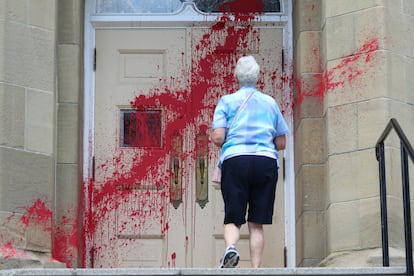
(406,150)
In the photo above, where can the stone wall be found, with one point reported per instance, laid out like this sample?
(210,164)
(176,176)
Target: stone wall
(68,171)
(27,129)
(353,60)
(40,91)
(309,132)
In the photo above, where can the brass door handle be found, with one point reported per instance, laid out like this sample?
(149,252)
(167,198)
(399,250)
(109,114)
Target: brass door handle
(176,170)
(202,165)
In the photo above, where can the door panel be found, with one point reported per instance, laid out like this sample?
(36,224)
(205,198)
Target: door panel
(131,195)
(156,90)
(215,76)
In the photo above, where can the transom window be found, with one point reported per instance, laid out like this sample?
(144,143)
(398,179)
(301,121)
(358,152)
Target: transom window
(172,6)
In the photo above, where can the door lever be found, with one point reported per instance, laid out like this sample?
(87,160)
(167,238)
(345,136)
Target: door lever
(176,196)
(201,168)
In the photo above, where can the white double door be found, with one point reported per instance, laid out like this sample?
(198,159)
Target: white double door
(153,204)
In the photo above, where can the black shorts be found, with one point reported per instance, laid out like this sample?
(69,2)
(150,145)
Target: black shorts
(248,185)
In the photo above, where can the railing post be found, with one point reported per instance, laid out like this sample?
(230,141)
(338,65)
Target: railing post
(383,201)
(406,149)
(407,211)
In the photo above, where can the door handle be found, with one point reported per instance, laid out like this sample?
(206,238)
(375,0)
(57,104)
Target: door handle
(176,169)
(176,196)
(201,167)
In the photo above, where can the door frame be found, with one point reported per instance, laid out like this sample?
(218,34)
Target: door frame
(187,16)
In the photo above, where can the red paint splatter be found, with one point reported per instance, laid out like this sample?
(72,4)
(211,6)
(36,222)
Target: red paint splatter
(346,72)
(66,239)
(349,72)
(38,213)
(65,233)
(7,251)
(173,258)
(35,216)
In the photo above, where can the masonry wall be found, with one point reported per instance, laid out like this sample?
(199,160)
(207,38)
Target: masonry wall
(353,60)
(310,157)
(398,99)
(67,236)
(27,129)
(40,87)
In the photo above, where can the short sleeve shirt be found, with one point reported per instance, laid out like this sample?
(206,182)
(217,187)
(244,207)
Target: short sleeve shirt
(255,127)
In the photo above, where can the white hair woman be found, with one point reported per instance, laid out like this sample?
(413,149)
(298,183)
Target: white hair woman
(250,130)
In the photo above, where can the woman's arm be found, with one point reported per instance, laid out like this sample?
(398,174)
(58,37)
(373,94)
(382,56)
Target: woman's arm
(280,142)
(219,136)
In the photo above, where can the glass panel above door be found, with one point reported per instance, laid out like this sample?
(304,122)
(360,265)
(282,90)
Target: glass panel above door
(238,6)
(137,6)
(172,6)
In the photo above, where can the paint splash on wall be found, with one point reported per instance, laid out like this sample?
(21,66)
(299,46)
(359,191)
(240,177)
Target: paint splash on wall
(65,238)
(21,222)
(8,251)
(38,213)
(346,72)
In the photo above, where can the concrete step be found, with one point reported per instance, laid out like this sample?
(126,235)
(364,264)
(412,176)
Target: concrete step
(326,271)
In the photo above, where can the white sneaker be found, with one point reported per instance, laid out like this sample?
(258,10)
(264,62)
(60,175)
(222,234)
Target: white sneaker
(231,258)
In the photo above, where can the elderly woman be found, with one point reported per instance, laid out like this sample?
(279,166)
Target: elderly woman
(250,129)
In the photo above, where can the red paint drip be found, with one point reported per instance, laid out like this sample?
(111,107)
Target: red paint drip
(66,240)
(173,258)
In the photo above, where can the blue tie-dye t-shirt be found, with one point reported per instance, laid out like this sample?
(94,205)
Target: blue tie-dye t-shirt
(256,125)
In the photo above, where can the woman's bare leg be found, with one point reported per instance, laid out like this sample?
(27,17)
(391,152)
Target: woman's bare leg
(256,243)
(231,234)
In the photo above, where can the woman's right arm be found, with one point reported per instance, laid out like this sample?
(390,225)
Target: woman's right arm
(219,136)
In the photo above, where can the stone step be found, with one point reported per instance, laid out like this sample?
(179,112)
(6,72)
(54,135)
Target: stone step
(326,271)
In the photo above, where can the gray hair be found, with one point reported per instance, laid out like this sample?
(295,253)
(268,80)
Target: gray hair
(247,71)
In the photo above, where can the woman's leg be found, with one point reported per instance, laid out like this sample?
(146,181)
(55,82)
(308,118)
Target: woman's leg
(256,243)
(231,234)
(231,257)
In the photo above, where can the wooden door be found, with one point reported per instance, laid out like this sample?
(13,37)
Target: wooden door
(156,89)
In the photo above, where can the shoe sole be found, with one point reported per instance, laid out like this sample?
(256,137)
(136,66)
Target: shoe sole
(230,260)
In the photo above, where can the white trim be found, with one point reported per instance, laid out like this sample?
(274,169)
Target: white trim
(290,194)
(88,120)
(188,15)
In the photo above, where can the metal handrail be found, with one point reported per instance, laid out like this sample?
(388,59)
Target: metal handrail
(406,150)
